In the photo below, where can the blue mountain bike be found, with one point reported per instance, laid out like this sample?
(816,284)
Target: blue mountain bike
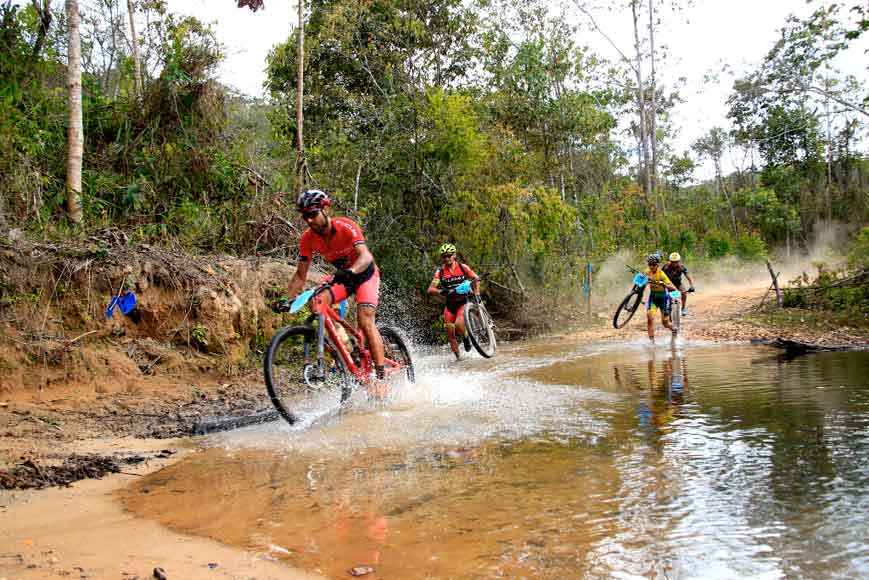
(632,301)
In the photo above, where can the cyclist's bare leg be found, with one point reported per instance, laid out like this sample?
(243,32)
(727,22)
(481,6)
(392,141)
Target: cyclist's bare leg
(460,323)
(365,317)
(451,337)
(650,324)
(665,320)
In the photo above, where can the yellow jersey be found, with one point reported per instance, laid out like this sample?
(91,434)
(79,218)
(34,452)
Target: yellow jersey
(657,280)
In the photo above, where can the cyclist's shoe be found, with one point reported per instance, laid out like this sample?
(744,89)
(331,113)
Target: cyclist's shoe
(458,355)
(466,342)
(684,312)
(377,389)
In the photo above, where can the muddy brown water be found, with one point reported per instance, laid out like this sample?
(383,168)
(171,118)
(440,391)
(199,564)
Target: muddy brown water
(556,461)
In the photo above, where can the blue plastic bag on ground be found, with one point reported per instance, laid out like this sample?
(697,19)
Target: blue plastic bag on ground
(125,302)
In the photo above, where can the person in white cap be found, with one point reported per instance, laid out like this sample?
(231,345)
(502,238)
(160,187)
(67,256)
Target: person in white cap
(675,269)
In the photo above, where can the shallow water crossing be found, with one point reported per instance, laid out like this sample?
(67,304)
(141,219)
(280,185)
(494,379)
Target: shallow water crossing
(556,461)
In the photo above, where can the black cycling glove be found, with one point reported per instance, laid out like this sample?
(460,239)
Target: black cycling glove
(343,277)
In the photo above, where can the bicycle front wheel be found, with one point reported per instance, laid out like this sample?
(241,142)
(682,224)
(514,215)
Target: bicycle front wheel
(627,308)
(299,385)
(676,316)
(478,325)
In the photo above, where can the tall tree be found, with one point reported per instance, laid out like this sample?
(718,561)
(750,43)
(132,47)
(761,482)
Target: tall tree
(75,131)
(300,103)
(134,42)
(641,106)
(791,69)
(712,146)
(43,12)
(653,94)
(638,93)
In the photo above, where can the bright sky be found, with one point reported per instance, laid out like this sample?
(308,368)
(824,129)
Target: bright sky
(700,39)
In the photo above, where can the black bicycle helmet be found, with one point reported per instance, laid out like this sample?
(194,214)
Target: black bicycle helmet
(653,259)
(313,199)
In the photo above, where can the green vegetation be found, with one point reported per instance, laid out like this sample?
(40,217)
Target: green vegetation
(480,123)
(842,293)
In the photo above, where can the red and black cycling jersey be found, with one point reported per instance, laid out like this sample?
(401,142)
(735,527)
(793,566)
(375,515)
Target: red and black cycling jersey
(674,272)
(339,247)
(450,277)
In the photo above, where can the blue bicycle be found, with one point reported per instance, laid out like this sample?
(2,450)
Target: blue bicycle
(632,301)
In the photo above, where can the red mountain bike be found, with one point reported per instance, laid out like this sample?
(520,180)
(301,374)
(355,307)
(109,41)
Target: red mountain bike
(312,369)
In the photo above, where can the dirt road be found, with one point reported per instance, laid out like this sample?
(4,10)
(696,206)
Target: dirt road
(723,313)
(715,314)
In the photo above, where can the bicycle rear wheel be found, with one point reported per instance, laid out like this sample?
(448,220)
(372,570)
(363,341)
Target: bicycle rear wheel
(478,325)
(627,308)
(395,348)
(298,386)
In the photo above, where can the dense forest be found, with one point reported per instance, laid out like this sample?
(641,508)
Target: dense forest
(486,123)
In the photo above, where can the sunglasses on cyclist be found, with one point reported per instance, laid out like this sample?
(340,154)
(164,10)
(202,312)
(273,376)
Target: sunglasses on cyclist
(309,215)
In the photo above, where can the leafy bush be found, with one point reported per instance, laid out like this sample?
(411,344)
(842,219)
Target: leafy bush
(858,258)
(750,247)
(718,244)
(686,243)
(836,291)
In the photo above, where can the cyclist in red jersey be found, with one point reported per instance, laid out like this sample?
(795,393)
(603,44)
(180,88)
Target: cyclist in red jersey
(446,278)
(340,242)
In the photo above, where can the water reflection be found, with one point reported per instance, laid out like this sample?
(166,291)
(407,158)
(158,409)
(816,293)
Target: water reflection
(682,462)
(664,389)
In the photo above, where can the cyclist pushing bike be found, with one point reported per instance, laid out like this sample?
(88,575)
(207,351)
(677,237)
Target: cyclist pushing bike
(659,299)
(447,278)
(675,269)
(340,242)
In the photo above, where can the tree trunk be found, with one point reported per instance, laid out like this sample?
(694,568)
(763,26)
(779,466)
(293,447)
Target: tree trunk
(723,189)
(641,107)
(43,12)
(134,42)
(653,113)
(113,88)
(827,190)
(75,132)
(300,118)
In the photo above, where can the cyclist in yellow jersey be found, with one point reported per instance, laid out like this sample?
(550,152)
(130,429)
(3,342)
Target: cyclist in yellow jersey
(659,299)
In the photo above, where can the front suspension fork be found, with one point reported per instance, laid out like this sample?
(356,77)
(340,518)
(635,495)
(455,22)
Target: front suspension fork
(321,346)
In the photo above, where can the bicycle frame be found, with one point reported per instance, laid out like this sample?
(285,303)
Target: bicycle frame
(327,318)
(675,301)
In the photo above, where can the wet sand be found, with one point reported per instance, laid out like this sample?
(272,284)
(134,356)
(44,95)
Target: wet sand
(83,532)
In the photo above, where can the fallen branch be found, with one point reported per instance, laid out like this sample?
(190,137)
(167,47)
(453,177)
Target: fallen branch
(799,347)
(775,276)
(855,280)
(82,336)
